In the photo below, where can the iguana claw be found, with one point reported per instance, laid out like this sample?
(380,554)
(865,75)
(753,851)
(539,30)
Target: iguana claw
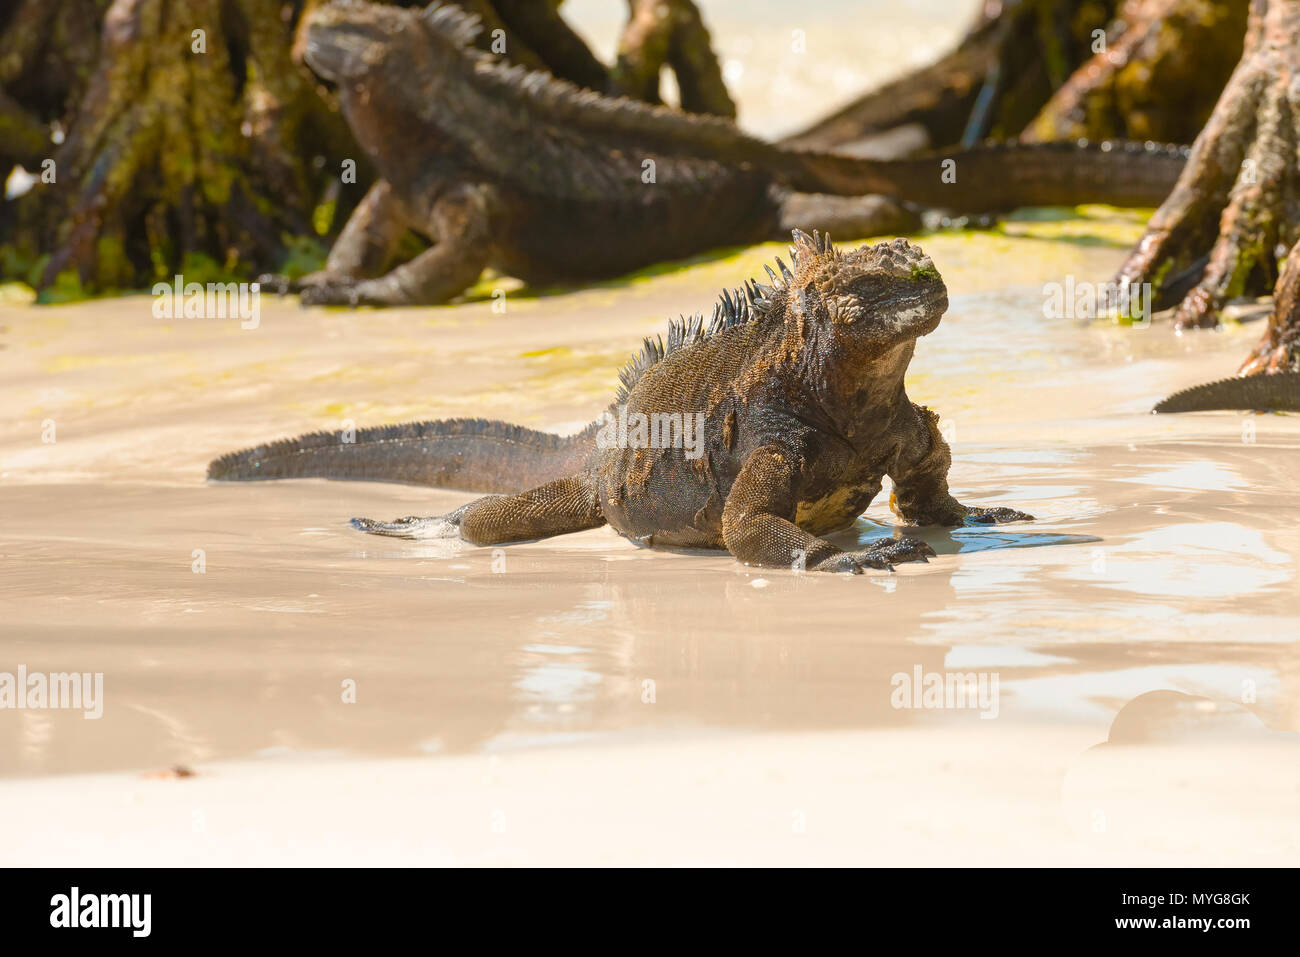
(413,526)
(882,554)
(976,515)
(899,550)
(335,292)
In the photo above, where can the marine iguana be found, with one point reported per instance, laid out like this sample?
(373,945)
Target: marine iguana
(1278,392)
(796,385)
(545,181)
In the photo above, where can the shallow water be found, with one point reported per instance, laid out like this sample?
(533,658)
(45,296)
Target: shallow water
(1163,555)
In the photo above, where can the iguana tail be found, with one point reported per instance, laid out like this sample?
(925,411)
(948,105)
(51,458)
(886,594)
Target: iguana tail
(476,455)
(1279,392)
(997,176)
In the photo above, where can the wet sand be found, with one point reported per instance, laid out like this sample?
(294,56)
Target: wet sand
(588,701)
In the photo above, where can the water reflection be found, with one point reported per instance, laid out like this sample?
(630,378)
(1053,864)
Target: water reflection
(1118,591)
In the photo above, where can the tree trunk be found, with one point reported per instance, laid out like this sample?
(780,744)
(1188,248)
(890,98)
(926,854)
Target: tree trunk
(670,33)
(1233,213)
(1161,70)
(1047,70)
(1278,350)
(1015,55)
(191,146)
(48,50)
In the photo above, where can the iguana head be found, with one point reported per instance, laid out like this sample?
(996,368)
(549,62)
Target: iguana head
(851,319)
(348,40)
(840,320)
(345,40)
(396,71)
(871,300)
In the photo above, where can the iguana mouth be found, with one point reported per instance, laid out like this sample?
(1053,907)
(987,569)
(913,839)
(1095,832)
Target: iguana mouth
(339,45)
(329,53)
(933,297)
(323,57)
(917,315)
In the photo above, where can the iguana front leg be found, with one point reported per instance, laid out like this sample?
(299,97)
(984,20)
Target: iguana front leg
(758,525)
(461,224)
(556,508)
(921,478)
(364,248)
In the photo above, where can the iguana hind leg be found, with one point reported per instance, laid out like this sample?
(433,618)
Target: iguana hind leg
(461,225)
(758,526)
(556,508)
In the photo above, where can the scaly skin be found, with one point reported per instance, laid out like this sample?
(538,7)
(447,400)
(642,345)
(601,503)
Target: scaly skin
(798,389)
(544,181)
(474,454)
(1279,392)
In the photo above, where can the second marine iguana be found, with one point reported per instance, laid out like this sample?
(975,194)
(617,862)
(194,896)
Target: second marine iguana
(1276,392)
(545,181)
(759,432)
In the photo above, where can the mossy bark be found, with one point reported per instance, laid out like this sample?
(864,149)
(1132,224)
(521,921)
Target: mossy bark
(48,51)
(1157,76)
(1278,350)
(194,140)
(1232,215)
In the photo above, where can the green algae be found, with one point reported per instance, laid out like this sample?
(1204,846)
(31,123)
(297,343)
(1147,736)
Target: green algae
(303,255)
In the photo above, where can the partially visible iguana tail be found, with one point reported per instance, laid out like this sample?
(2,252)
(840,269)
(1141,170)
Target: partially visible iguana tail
(476,455)
(998,176)
(1279,392)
